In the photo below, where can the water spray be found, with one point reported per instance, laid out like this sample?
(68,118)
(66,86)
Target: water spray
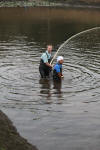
(67,41)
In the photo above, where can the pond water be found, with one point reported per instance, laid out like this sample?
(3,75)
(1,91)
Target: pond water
(51,116)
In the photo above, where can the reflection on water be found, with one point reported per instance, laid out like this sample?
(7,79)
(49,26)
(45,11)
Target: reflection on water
(51,115)
(46,89)
(45,25)
(47,85)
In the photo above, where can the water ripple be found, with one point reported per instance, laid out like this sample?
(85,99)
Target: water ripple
(19,75)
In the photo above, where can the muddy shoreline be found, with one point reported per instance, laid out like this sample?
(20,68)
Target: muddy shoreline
(10,138)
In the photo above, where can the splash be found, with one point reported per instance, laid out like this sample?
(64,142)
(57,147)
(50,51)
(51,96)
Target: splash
(67,41)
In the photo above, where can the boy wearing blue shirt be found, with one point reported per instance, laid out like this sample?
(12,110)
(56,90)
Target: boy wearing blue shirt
(45,67)
(57,70)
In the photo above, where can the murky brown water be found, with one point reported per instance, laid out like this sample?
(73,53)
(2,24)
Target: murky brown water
(51,116)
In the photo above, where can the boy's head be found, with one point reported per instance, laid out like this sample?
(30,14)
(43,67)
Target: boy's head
(60,59)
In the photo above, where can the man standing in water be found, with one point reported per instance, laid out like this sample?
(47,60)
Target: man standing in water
(57,70)
(45,67)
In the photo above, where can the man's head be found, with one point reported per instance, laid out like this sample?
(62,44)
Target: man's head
(60,59)
(49,48)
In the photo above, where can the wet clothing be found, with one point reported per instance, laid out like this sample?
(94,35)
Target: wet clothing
(57,69)
(43,68)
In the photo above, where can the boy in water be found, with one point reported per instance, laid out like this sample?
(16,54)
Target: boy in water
(57,70)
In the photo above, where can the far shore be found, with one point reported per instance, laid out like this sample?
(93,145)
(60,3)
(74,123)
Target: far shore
(34,3)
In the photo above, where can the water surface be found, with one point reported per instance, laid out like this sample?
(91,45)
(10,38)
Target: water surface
(51,116)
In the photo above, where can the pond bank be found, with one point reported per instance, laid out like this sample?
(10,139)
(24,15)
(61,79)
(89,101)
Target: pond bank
(10,138)
(38,3)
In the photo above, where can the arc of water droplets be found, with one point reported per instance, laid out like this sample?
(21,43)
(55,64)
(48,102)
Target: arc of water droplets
(66,42)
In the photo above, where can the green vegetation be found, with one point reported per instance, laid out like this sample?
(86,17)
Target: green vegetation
(77,2)
(25,3)
(32,3)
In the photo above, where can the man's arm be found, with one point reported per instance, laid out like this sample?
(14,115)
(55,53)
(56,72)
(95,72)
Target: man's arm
(59,72)
(48,65)
(60,75)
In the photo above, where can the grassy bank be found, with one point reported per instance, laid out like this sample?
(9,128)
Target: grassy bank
(57,3)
